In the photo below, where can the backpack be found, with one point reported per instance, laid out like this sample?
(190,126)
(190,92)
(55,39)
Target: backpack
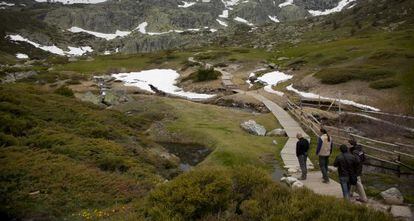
(360,154)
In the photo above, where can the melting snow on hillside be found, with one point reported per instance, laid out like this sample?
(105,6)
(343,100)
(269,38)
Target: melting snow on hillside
(74,1)
(342,4)
(186,4)
(162,79)
(22,56)
(316,96)
(222,23)
(274,18)
(286,3)
(242,20)
(73,51)
(100,34)
(272,79)
(224,14)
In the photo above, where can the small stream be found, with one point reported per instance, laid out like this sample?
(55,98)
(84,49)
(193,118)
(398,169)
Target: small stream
(190,154)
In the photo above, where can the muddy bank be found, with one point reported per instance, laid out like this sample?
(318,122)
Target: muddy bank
(190,154)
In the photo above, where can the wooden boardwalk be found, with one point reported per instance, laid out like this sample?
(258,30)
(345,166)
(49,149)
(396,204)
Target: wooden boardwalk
(288,153)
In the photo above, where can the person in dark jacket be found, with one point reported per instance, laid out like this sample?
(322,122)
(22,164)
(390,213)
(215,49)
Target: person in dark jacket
(356,150)
(346,164)
(302,147)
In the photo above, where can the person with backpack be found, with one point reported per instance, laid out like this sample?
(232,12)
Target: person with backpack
(302,147)
(356,150)
(324,150)
(346,164)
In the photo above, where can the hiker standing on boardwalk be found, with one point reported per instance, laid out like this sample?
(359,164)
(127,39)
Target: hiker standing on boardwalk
(302,147)
(324,150)
(346,164)
(356,150)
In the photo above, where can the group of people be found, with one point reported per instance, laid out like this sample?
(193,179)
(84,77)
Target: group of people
(349,163)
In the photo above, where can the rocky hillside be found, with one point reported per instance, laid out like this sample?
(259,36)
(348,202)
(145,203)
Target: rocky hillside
(151,25)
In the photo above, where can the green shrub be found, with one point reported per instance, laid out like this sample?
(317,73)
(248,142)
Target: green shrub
(191,196)
(203,74)
(342,75)
(7,140)
(384,84)
(112,163)
(64,91)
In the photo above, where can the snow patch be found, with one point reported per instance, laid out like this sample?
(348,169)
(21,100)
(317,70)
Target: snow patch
(272,79)
(273,18)
(242,20)
(142,27)
(163,79)
(286,3)
(222,23)
(22,56)
(73,51)
(316,96)
(341,5)
(6,4)
(224,14)
(186,4)
(69,2)
(99,34)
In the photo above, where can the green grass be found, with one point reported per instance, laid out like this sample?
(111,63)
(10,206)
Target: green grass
(217,128)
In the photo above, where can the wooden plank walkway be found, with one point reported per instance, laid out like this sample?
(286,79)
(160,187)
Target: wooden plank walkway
(288,153)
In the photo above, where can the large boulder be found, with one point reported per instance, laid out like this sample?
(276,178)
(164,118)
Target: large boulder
(253,128)
(392,196)
(276,132)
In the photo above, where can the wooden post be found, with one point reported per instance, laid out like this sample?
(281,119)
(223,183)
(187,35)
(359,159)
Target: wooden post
(319,101)
(339,108)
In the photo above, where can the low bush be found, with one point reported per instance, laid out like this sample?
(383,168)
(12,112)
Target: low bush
(342,75)
(203,74)
(384,84)
(64,91)
(246,193)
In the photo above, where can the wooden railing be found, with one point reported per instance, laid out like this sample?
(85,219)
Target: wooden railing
(384,152)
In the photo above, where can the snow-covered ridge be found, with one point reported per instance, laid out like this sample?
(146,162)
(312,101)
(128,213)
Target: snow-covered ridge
(341,5)
(69,2)
(343,101)
(163,79)
(73,51)
(6,4)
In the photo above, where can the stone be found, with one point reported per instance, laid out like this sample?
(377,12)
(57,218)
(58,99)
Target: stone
(282,58)
(392,196)
(272,65)
(297,185)
(378,206)
(274,142)
(253,128)
(292,170)
(401,212)
(276,132)
(288,180)
(332,169)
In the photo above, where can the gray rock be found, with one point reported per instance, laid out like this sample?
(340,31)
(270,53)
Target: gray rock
(253,128)
(332,169)
(276,132)
(392,196)
(274,142)
(13,77)
(89,97)
(297,185)
(401,212)
(288,180)
(282,58)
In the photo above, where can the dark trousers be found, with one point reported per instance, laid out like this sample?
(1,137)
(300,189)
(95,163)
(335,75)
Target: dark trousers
(302,162)
(345,186)
(323,164)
